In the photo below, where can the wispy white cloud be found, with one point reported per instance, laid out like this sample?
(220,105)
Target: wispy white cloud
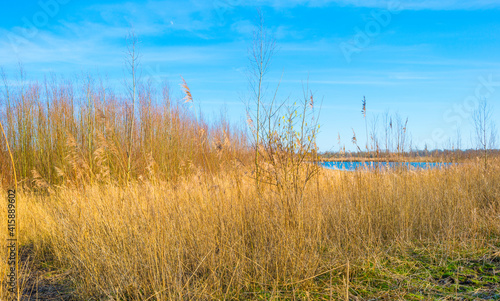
(156,17)
(403,4)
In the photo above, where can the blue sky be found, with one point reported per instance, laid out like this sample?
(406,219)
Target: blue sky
(425,60)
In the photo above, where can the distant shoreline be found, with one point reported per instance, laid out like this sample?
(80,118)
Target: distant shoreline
(364,159)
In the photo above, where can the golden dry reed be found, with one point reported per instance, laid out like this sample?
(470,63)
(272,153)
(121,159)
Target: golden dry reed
(190,224)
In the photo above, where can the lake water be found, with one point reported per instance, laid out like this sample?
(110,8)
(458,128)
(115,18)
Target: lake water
(355,165)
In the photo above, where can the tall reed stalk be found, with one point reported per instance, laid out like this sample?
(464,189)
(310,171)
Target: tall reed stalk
(16,223)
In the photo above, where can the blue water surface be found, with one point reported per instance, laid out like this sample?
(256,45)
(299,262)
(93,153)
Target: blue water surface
(356,165)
